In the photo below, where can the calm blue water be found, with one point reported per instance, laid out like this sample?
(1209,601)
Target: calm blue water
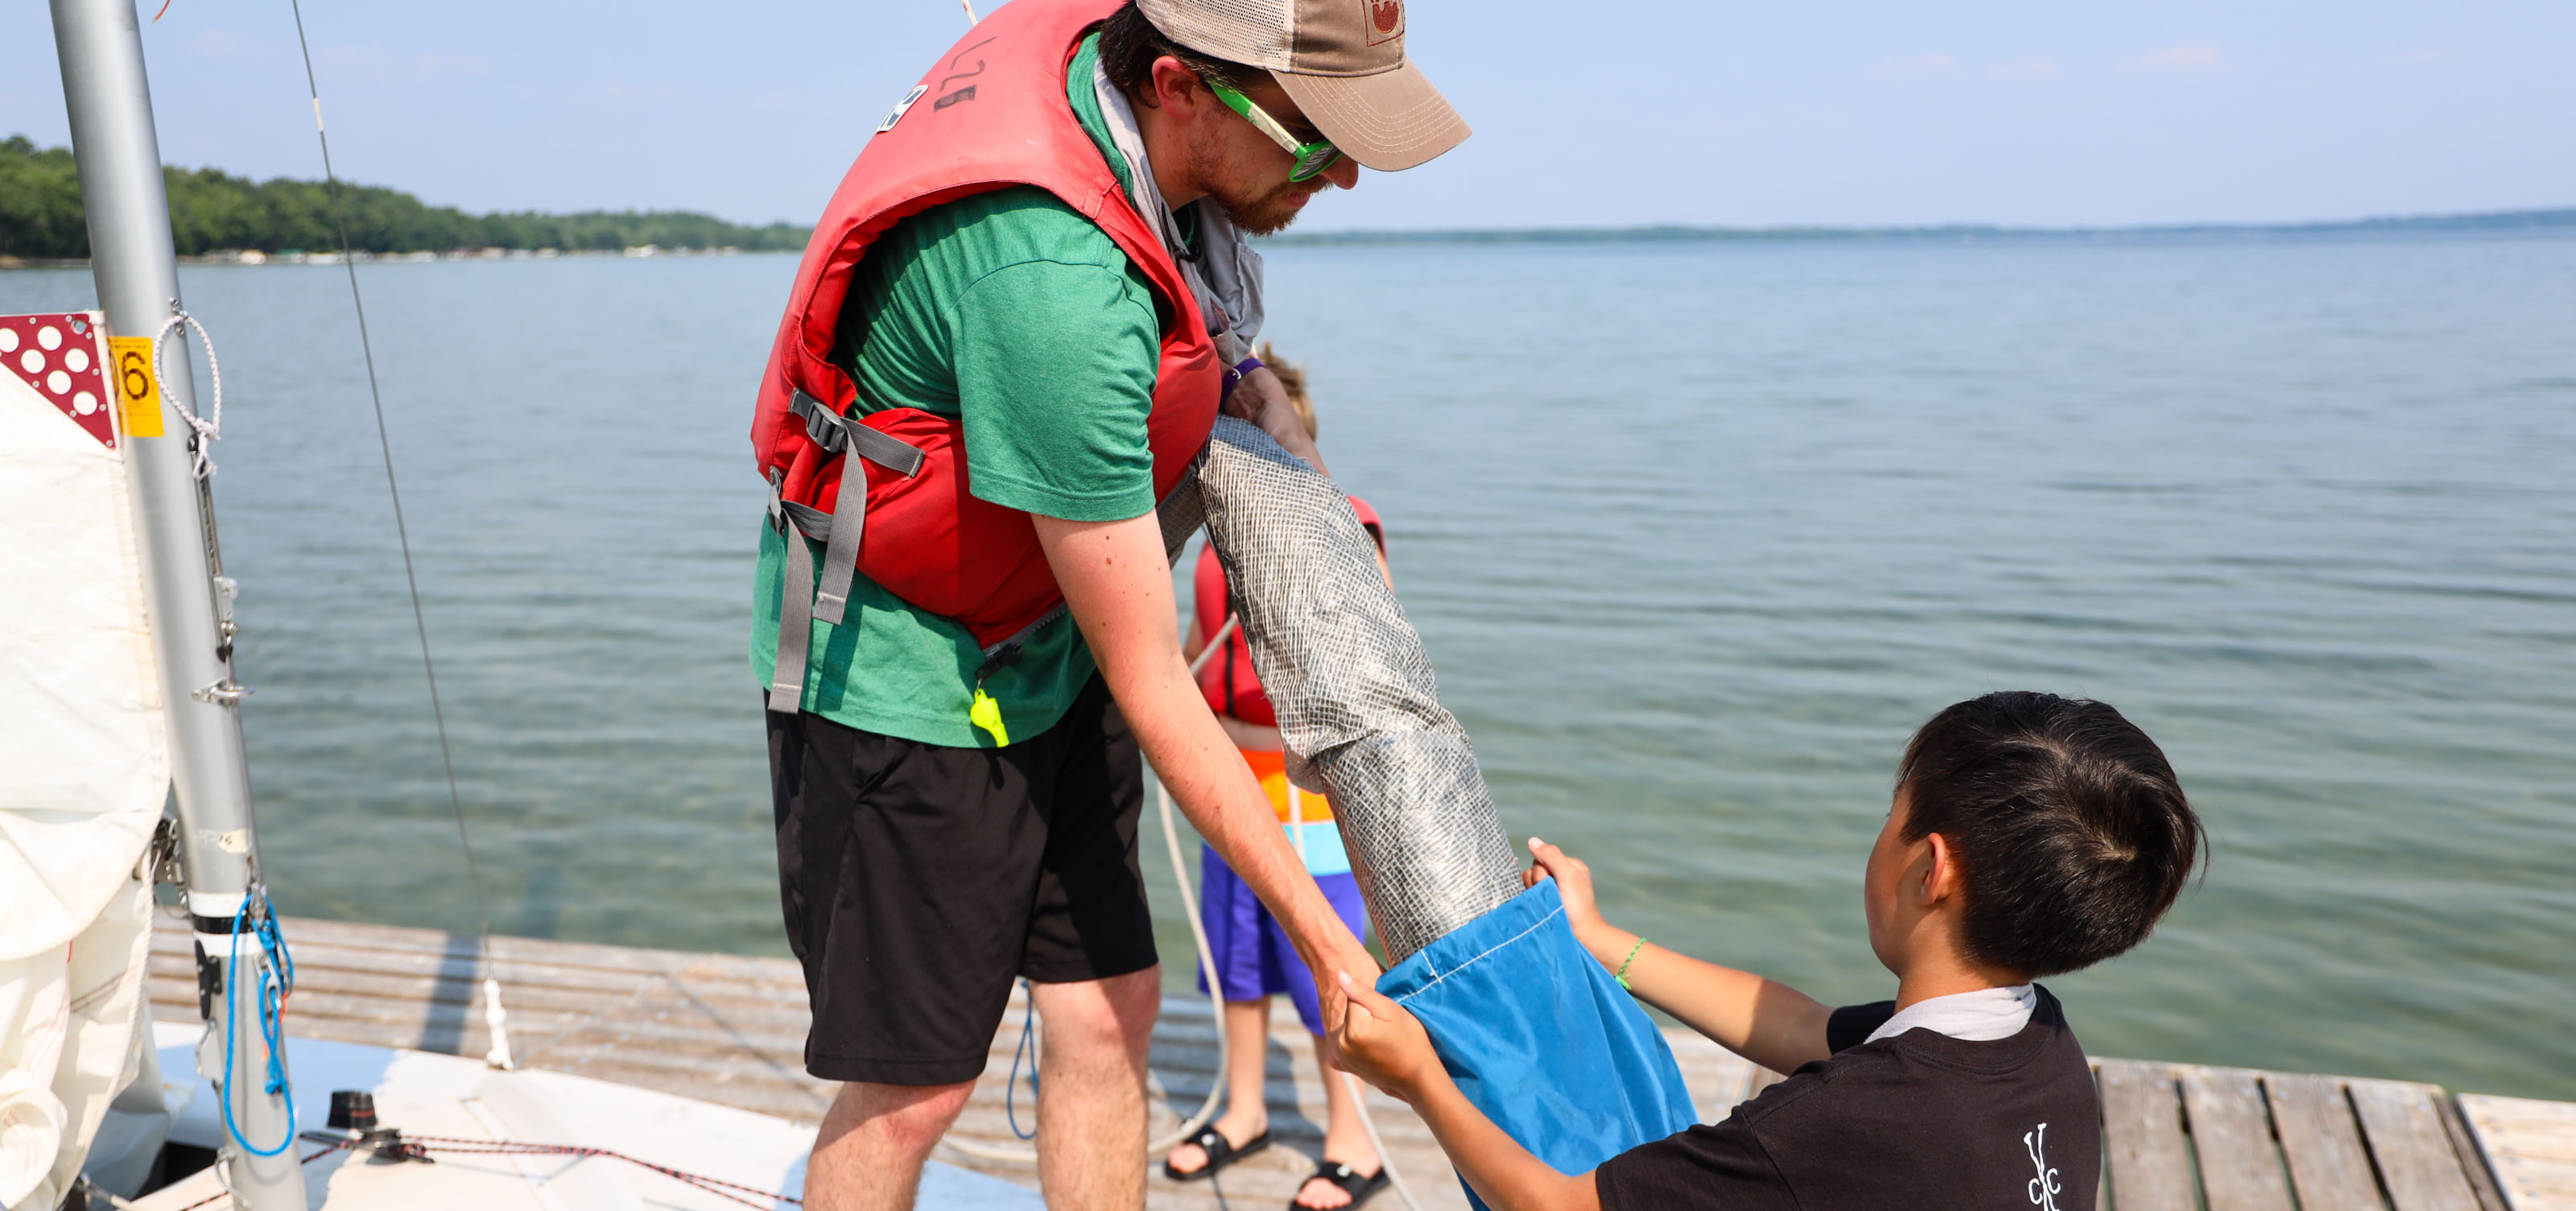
(1696,535)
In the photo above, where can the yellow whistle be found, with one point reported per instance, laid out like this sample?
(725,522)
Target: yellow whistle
(987,714)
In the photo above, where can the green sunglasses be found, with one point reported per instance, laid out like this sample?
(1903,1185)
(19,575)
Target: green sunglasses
(1312,158)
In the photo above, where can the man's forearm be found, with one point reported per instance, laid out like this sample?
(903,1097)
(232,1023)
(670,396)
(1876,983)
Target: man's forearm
(1222,799)
(1504,1174)
(1117,580)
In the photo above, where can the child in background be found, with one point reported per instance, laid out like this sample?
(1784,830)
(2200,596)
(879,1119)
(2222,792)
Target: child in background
(2029,835)
(1252,954)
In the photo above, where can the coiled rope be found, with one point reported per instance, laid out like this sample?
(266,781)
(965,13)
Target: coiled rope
(276,979)
(1027,1045)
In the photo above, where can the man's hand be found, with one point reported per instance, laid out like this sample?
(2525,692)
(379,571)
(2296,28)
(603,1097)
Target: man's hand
(1331,966)
(1262,399)
(1573,885)
(1382,1044)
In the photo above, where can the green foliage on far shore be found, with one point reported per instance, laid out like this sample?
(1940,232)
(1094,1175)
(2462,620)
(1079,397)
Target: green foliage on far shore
(211,210)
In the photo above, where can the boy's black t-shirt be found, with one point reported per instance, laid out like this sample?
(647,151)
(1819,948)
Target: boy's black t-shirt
(1921,1120)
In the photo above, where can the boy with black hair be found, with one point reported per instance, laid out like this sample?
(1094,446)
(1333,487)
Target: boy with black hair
(2029,835)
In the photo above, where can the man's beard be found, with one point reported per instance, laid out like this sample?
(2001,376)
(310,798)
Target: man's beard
(1266,213)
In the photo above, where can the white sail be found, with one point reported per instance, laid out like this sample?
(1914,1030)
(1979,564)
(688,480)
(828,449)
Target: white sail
(84,769)
(84,759)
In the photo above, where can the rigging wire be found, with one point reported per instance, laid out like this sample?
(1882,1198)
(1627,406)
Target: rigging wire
(499,1056)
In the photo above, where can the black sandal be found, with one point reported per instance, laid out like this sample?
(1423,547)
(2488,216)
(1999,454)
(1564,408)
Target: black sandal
(1335,1172)
(1220,1153)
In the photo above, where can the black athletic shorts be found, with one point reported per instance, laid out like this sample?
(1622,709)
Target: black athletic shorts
(918,880)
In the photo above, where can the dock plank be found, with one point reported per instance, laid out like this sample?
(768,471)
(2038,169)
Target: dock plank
(2530,1146)
(730,1029)
(2417,1165)
(2329,1168)
(2147,1167)
(2473,1160)
(2231,1134)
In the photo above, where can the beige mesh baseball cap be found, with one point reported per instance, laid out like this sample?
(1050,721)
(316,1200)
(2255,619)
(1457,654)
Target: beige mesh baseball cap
(1342,61)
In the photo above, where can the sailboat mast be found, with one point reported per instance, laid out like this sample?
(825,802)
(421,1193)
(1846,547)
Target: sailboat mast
(131,256)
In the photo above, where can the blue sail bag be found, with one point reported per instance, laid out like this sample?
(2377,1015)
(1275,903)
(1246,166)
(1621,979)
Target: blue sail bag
(1541,1038)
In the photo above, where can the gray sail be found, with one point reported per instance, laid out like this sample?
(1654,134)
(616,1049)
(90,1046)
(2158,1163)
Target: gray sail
(1358,706)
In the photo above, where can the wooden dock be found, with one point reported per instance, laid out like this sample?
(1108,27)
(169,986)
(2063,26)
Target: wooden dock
(731,1029)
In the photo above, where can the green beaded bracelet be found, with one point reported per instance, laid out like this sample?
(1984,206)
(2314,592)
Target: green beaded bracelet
(1621,975)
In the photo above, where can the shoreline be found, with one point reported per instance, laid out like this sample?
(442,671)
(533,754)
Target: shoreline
(2501,224)
(255,257)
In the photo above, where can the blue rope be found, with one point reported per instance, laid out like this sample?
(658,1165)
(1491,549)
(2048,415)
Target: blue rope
(276,979)
(1028,1046)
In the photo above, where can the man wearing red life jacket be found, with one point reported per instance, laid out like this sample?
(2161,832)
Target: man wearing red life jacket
(1010,334)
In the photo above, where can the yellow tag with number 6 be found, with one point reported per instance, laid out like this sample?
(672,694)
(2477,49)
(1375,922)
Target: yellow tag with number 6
(140,397)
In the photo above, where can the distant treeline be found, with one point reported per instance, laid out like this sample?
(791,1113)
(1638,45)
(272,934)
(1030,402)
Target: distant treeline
(210,210)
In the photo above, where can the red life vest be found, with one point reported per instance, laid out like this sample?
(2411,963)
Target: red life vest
(1227,681)
(990,115)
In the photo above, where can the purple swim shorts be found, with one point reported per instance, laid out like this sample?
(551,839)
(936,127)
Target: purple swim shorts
(1252,954)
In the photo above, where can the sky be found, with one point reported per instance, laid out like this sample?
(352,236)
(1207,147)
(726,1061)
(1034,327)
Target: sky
(1842,112)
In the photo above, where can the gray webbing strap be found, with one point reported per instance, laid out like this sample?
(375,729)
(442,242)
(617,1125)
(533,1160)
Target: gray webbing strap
(816,523)
(795,623)
(835,432)
(841,550)
(839,532)
(892,453)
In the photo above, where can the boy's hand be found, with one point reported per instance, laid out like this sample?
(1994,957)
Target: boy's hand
(1382,1044)
(1573,885)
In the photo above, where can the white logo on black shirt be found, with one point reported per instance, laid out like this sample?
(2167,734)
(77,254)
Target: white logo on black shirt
(2043,1188)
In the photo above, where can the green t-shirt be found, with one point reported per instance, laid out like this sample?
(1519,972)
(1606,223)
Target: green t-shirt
(1012,311)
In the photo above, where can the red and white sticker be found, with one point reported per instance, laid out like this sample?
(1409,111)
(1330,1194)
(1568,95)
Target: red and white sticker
(58,355)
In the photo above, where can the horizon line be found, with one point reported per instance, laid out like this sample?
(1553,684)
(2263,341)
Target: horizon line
(2485,220)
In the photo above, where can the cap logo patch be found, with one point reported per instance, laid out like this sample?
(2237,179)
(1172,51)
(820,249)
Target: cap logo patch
(1386,20)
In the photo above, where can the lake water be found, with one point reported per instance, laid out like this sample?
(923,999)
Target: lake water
(1695,533)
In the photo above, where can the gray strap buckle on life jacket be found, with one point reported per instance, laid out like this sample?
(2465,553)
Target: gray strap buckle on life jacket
(838,531)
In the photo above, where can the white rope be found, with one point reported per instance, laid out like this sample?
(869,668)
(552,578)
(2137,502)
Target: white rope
(1198,927)
(1385,1160)
(210,426)
(1207,967)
